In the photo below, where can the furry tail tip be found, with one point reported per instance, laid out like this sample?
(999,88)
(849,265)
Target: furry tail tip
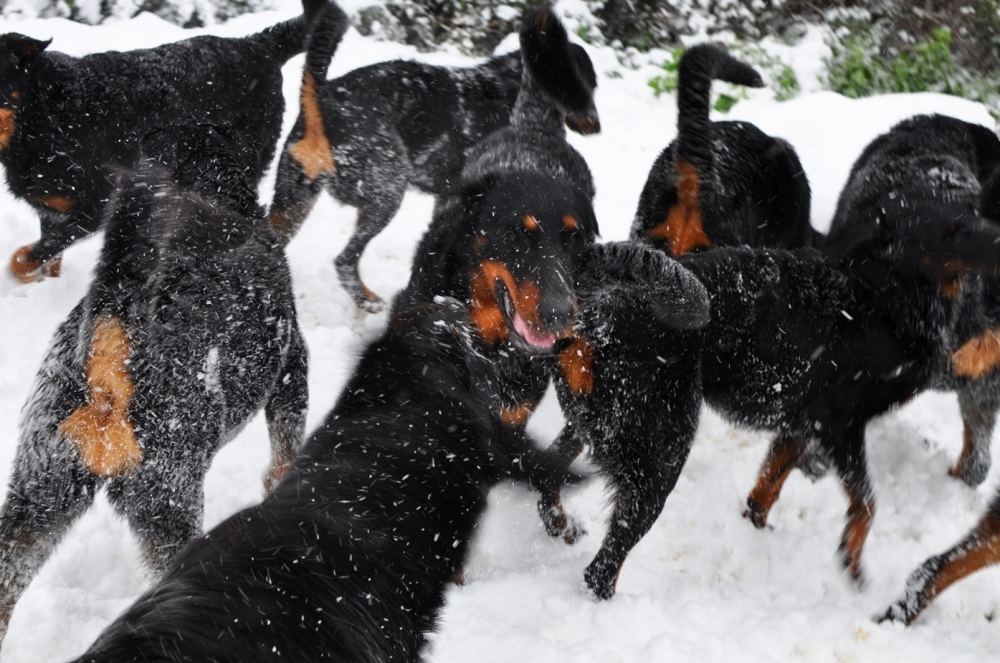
(708,61)
(326,30)
(312,7)
(562,69)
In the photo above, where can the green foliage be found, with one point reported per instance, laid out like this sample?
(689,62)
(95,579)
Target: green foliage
(856,68)
(667,82)
(780,76)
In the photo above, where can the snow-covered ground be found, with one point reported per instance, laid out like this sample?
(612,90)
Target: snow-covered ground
(703,585)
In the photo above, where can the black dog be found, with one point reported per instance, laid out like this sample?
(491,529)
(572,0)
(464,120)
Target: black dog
(366,136)
(980,548)
(349,558)
(509,242)
(67,124)
(943,154)
(722,183)
(630,387)
(187,331)
(813,347)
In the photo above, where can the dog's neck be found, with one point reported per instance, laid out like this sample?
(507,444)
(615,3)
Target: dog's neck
(535,111)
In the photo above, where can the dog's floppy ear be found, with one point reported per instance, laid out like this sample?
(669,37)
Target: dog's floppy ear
(21,49)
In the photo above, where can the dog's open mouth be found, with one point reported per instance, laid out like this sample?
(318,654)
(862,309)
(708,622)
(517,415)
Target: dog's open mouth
(524,333)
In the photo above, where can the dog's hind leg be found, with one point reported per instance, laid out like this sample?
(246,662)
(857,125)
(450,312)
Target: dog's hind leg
(566,448)
(164,500)
(783,456)
(295,195)
(978,401)
(286,412)
(49,490)
(372,219)
(847,451)
(641,488)
(979,549)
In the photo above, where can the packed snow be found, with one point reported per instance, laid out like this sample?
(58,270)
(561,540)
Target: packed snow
(703,585)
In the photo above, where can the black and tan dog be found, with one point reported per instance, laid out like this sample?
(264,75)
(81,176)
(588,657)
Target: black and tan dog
(366,136)
(508,244)
(67,124)
(961,159)
(629,382)
(812,346)
(187,331)
(721,183)
(349,558)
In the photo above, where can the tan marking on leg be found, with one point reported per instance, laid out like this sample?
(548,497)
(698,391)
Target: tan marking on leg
(978,355)
(281,461)
(101,429)
(29,271)
(968,449)
(860,513)
(682,229)
(313,151)
(55,203)
(576,362)
(517,415)
(7,127)
(981,548)
(781,459)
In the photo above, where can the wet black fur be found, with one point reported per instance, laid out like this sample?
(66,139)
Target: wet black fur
(754,191)
(78,120)
(350,557)
(525,168)
(204,295)
(393,125)
(962,161)
(812,347)
(639,312)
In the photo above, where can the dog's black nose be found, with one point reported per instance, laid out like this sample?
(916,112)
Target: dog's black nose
(557,312)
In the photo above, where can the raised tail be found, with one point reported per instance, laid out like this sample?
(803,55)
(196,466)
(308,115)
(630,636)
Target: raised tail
(699,66)
(326,31)
(288,38)
(562,70)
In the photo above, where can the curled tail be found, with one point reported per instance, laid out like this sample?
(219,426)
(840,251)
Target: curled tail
(699,66)
(562,70)
(326,31)
(288,38)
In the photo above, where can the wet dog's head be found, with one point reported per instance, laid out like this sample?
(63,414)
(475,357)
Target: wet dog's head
(17,54)
(526,240)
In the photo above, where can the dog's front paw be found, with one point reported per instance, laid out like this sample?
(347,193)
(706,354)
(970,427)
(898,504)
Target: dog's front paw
(29,271)
(755,513)
(601,578)
(558,523)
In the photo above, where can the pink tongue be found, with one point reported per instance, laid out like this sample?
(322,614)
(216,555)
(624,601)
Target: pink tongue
(538,339)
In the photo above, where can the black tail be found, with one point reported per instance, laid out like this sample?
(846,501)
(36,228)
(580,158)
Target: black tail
(699,66)
(326,31)
(562,70)
(288,38)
